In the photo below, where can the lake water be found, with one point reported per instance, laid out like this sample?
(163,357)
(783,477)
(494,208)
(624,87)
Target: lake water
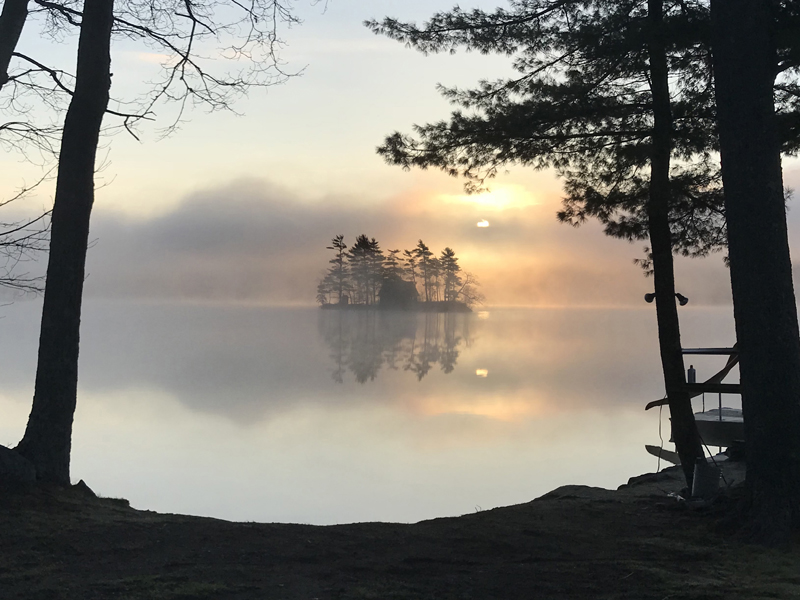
(303,415)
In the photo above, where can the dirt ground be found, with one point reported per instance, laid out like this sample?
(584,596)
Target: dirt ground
(575,542)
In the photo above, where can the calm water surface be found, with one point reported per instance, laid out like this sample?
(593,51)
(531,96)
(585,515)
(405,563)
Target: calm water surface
(303,415)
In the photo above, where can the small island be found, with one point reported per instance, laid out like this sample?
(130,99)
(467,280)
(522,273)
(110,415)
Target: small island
(363,277)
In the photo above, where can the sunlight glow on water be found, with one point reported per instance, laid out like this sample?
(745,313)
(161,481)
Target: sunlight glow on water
(295,415)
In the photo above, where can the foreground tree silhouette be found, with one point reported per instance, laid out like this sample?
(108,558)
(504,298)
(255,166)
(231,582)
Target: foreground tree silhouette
(177,29)
(745,67)
(593,100)
(684,430)
(48,436)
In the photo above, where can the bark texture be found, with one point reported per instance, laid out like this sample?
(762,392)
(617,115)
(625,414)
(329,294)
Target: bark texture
(12,20)
(47,439)
(684,430)
(761,270)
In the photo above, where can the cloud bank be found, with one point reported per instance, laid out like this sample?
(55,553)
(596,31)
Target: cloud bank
(252,242)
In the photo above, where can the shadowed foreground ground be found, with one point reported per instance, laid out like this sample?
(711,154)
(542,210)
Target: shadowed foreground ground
(575,542)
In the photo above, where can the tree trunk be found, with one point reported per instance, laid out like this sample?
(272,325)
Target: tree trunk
(47,438)
(761,271)
(684,430)
(12,20)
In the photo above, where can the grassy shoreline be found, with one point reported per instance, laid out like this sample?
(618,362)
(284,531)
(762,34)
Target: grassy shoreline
(574,542)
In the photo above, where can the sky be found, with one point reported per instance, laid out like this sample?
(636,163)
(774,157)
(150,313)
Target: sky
(238,208)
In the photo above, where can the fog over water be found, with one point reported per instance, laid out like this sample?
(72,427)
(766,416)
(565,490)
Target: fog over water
(298,414)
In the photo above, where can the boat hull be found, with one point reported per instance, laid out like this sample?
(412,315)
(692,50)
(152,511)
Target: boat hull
(723,427)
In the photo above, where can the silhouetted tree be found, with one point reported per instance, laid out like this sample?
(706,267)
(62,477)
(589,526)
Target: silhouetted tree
(593,101)
(377,274)
(360,261)
(18,85)
(339,271)
(12,21)
(450,270)
(436,279)
(469,293)
(746,63)
(392,269)
(176,30)
(48,436)
(410,265)
(424,256)
(19,239)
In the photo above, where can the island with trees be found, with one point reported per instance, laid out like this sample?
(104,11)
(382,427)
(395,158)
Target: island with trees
(364,277)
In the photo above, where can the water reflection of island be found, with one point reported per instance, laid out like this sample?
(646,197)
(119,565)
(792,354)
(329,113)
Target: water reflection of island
(364,342)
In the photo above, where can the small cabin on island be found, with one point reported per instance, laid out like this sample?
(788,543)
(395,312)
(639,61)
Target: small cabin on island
(396,293)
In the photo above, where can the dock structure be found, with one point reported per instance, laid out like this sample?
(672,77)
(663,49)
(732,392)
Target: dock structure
(721,426)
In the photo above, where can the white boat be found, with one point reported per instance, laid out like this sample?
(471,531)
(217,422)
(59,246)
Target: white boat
(720,426)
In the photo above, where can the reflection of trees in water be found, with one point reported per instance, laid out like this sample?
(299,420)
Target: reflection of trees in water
(365,341)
